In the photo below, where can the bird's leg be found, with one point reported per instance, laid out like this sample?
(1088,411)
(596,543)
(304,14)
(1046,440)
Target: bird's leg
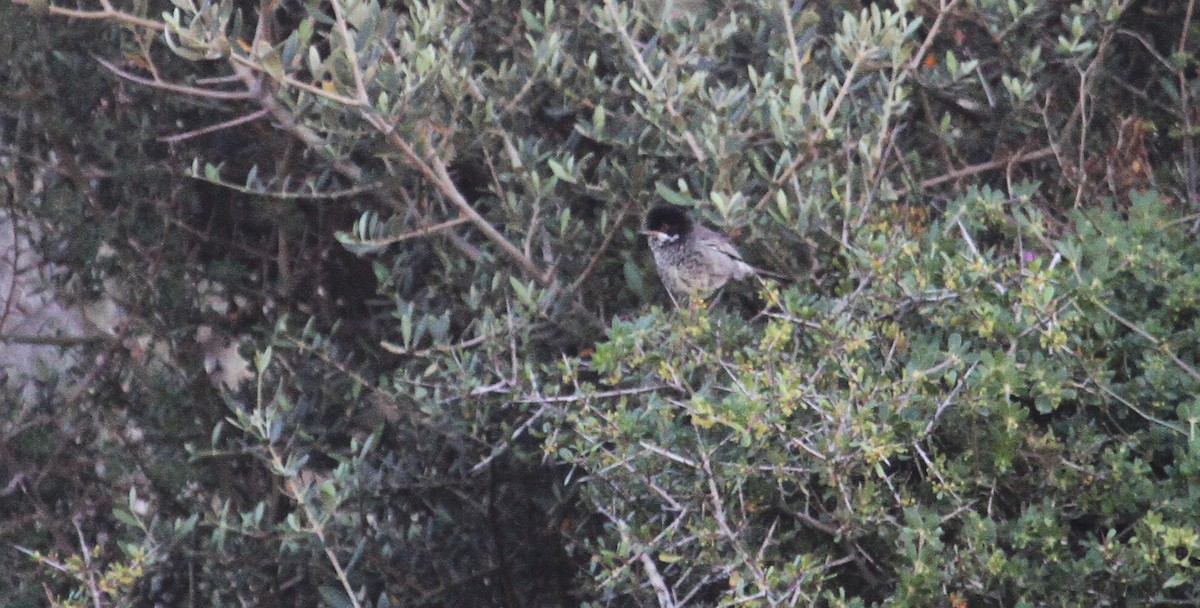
(716,298)
(673,300)
(771,299)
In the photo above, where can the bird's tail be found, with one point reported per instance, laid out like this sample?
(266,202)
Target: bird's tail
(760,273)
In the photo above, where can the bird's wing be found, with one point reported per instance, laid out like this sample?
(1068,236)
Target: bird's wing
(727,254)
(717,242)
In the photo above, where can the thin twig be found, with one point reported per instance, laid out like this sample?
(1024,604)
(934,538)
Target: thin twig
(1185,105)
(88,568)
(669,455)
(348,45)
(504,445)
(1138,411)
(593,395)
(980,168)
(1161,345)
(311,195)
(434,169)
(933,32)
(962,381)
(293,82)
(442,348)
(297,492)
(170,86)
(420,232)
(611,7)
(107,14)
(32,340)
(11,298)
(656,581)
(859,57)
(779,181)
(616,227)
(797,72)
(251,117)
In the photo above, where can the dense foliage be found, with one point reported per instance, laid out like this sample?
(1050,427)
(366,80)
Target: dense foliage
(367,320)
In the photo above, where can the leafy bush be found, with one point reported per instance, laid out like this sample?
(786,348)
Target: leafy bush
(381,330)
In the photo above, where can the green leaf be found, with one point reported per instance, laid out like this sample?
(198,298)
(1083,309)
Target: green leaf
(524,292)
(1176,580)
(126,518)
(560,172)
(633,279)
(674,197)
(305,31)
(335,597)
(183,527)
(262,359)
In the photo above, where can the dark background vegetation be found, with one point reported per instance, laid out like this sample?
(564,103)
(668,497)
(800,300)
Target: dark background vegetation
(356,311)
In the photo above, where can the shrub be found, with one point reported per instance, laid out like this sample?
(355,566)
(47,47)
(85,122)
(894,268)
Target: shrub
(384,333)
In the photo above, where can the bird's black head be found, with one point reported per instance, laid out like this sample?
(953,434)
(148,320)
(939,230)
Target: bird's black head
(671,221)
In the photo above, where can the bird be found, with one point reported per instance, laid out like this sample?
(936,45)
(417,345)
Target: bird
(691,258)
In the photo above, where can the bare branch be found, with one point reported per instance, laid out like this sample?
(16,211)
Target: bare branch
(293,82)
(596,395)
(108,14)
(656,581)
(797,72)
(600,251)
(980,168)
(251,117)
(176,88)
(434,169)
(348,45)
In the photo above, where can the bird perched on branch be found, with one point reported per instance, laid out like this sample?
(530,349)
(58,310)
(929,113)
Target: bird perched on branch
(692,259)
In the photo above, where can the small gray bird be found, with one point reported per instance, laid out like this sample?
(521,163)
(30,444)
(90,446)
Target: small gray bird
(691,259)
